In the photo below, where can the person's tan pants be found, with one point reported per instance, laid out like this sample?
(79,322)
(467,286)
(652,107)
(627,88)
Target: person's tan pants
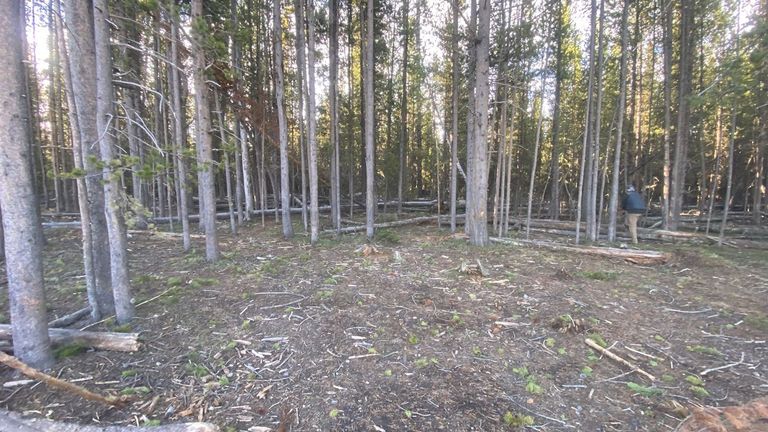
(631,222)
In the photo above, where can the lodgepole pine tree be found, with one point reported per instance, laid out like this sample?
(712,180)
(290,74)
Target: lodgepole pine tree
(20,218)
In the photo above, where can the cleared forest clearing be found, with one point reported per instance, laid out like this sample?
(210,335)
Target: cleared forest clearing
(407,336)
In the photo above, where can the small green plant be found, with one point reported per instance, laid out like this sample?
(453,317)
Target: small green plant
(125,328)
(408,413)
(517,420)
(586,371)
(197,371)
(533,387)
(599,275)
(223,381)
(694,380)
(456,319)
(549,342)
(334,413)
(659,338)
(173,281)
(413,339)
(151,423)
(477,352)
(667,378)
(388,373)
(246,324)
(330,280)
(645,391)
(561,351)
(701,349)
(386,236)
(699,391)
(421,363)
(324,294)
(128,373)
(522,371)
(141,390)
(70,350)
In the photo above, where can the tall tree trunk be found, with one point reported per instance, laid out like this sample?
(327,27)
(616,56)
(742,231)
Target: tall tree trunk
(225,156)
(554,195)
(471,114)
(683,115)
(333,96)
(301,90)
(594,159)
(454,109)
(285,189)
(370,197)
(477,212)
(729,177)
(666,210)
(314,215)
(178,132)
(403,112)
(204,142)
(82,67)
(113,193)
(18,200)
(614,203)
(589,115)
(82,192)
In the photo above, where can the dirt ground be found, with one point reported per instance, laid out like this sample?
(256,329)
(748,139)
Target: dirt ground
(406,337)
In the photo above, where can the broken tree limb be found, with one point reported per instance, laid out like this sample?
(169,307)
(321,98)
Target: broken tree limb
(33,373)
(728,366)
(70,318)
(13,422)
(109,341)
(592,344)
(632,255)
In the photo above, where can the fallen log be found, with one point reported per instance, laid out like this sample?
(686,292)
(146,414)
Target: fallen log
(412,221)
(14,422)
(632,255)
(70,318)
(125,342)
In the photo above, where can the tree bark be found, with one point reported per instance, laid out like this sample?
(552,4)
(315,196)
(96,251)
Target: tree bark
(113,193)
(454,109)
(368,74)
(587,121)
(285,188)
(554,194)
(333,97)
(403,112)
(614,203)
(314,216)
(204,142)
(109,341)
(477,211)
(666,210)
(18,200)
(178,132)
(683,116)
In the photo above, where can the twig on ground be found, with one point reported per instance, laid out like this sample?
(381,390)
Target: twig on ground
(741,361)
(687,312)
(284,304)
(592,344)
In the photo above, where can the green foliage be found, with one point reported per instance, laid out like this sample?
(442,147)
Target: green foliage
(701,349)
(645,391)
(141,390)
(386,236)
(598,339)
(70,350)
(517,420)
(128,373)
(699,391)
(694,380)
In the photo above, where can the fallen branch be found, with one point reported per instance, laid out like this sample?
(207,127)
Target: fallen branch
(413,221)
(592,344)
(741,361)
(165,234)
(125,342)
(33,373)
(71,318)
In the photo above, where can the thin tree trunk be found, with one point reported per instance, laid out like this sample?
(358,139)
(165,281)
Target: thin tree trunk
(18,200)
(403,112)
(587,121)
(204,142)
(82,191)
(225,157)
(614,203)
(368,75)
(334,114)
(554,197)
(666,210)
(594,159)
(285,189)
(477,212)
(113,193)
(454,109)
(729,180)
(683,116)
(535,161)
(314,215)
(178,133)
(715,182)
(301,90)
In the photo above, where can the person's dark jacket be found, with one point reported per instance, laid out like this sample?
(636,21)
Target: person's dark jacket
(633,203)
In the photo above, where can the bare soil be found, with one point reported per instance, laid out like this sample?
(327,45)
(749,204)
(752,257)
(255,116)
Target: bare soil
(340,337)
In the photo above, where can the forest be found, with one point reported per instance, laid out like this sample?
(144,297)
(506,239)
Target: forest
(383,214)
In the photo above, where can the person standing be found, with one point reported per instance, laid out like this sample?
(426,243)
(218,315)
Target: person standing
(633,206)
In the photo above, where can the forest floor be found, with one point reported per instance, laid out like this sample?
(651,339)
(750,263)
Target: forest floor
(399,338)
